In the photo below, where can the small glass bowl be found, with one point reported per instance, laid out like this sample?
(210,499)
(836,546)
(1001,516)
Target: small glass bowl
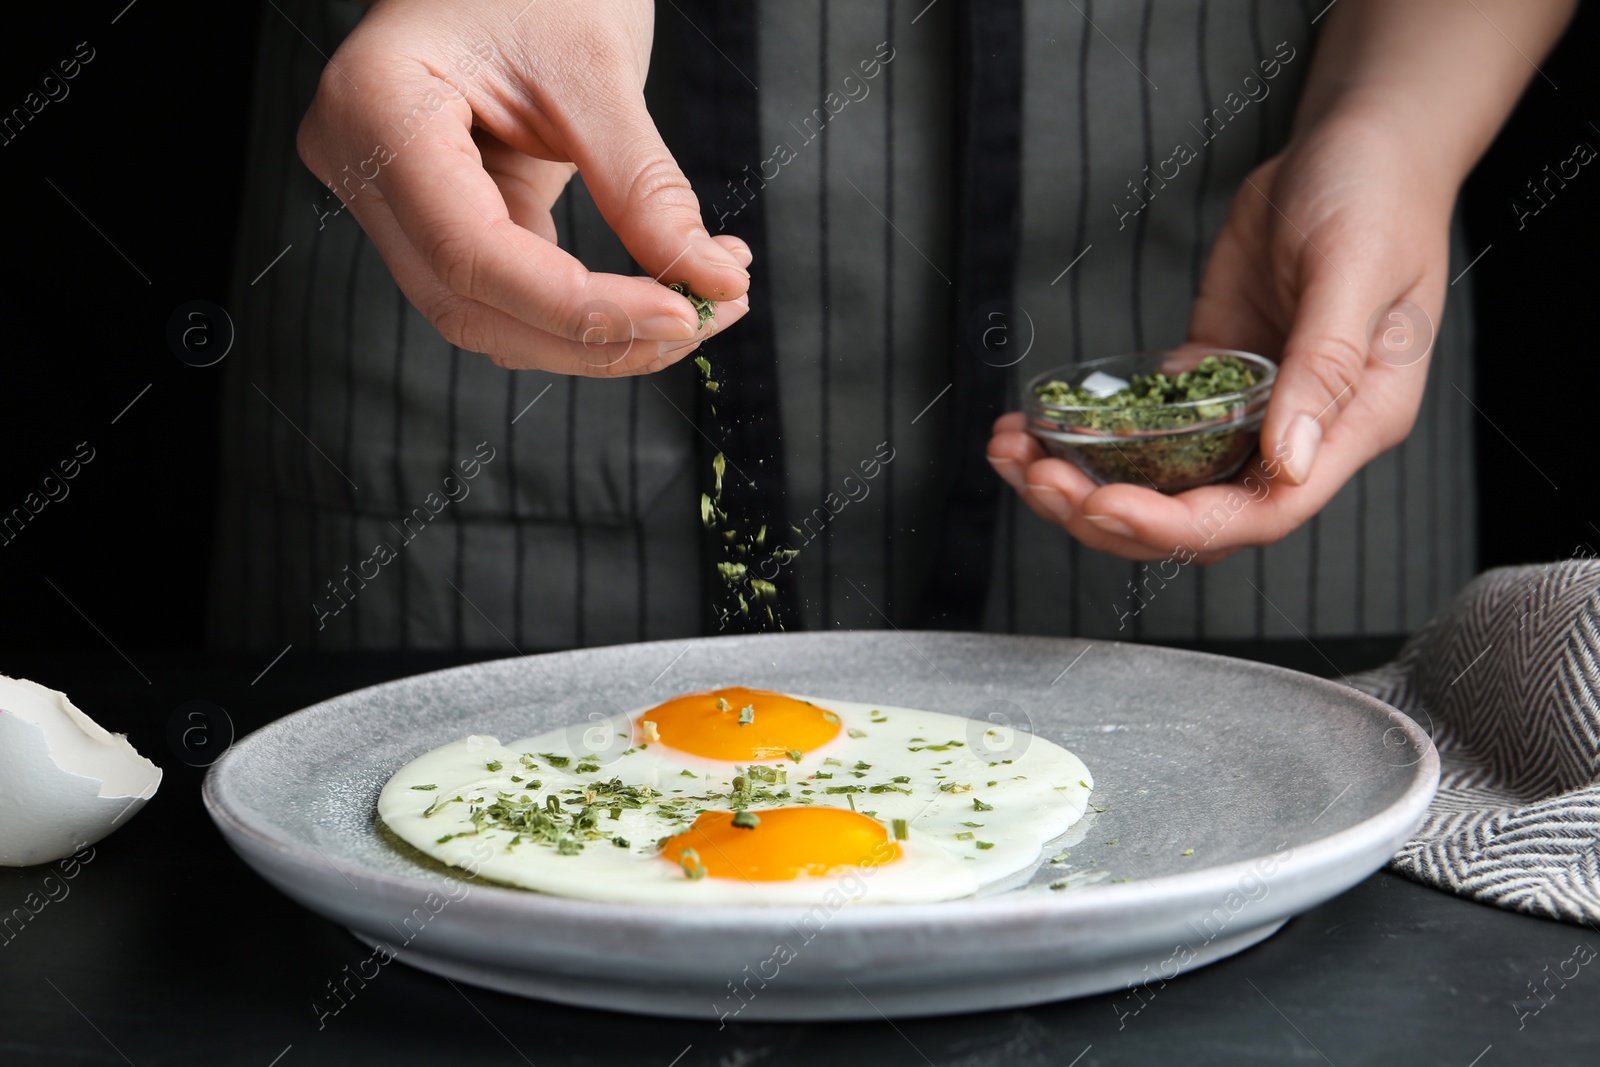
(1172,447)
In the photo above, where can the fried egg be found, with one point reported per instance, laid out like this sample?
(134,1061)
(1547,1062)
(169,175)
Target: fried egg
(746,796)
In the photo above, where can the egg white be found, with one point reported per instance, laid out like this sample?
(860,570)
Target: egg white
(1034,791)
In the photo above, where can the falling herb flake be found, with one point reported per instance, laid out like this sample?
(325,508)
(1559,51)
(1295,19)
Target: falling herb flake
(425,787)
(984,845)
(554,761)
(689,860)
(900,829)
(965,835)
(494,765)
(978,805)
(794,754)
(853,732)
(746,820)
(747,715)
(1188,852)
(621,842)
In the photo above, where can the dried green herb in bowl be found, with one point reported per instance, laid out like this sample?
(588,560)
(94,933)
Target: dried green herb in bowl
(1167,420)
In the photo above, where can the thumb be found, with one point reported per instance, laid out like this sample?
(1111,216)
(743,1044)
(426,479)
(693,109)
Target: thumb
(642,193)
(1321,370)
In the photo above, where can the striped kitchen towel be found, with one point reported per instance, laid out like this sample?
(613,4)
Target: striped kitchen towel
(1507,682)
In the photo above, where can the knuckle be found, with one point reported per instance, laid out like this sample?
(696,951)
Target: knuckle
(459,322)
(1336,368)
(661,187)
(453,257)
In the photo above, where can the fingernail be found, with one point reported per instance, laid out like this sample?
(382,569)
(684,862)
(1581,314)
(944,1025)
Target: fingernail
(1009,470)
(663,328)
(713,253)
(1052,500)
(742,252)
(1300,448)
(1112,525)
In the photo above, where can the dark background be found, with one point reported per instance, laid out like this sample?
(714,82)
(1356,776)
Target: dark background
(149,148)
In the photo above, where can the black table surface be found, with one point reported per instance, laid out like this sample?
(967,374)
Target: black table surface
(165,949)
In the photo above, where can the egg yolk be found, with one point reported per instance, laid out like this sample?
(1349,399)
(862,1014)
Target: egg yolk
(787,843)
(709,724)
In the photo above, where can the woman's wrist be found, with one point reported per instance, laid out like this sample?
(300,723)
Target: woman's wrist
(1437,78)
(1398,135)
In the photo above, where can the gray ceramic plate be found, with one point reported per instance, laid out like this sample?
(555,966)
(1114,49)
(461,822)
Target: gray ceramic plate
(1288,790)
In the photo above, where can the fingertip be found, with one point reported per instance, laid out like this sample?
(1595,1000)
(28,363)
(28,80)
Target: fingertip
(1016,447)
(1059,474)
(1010,422)
(713,270)
(737,246)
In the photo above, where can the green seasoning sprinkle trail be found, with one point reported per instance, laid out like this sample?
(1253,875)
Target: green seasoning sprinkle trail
(743,553)
(746,820)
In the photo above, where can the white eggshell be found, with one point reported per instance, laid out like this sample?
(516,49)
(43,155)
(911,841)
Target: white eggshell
(65,782)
